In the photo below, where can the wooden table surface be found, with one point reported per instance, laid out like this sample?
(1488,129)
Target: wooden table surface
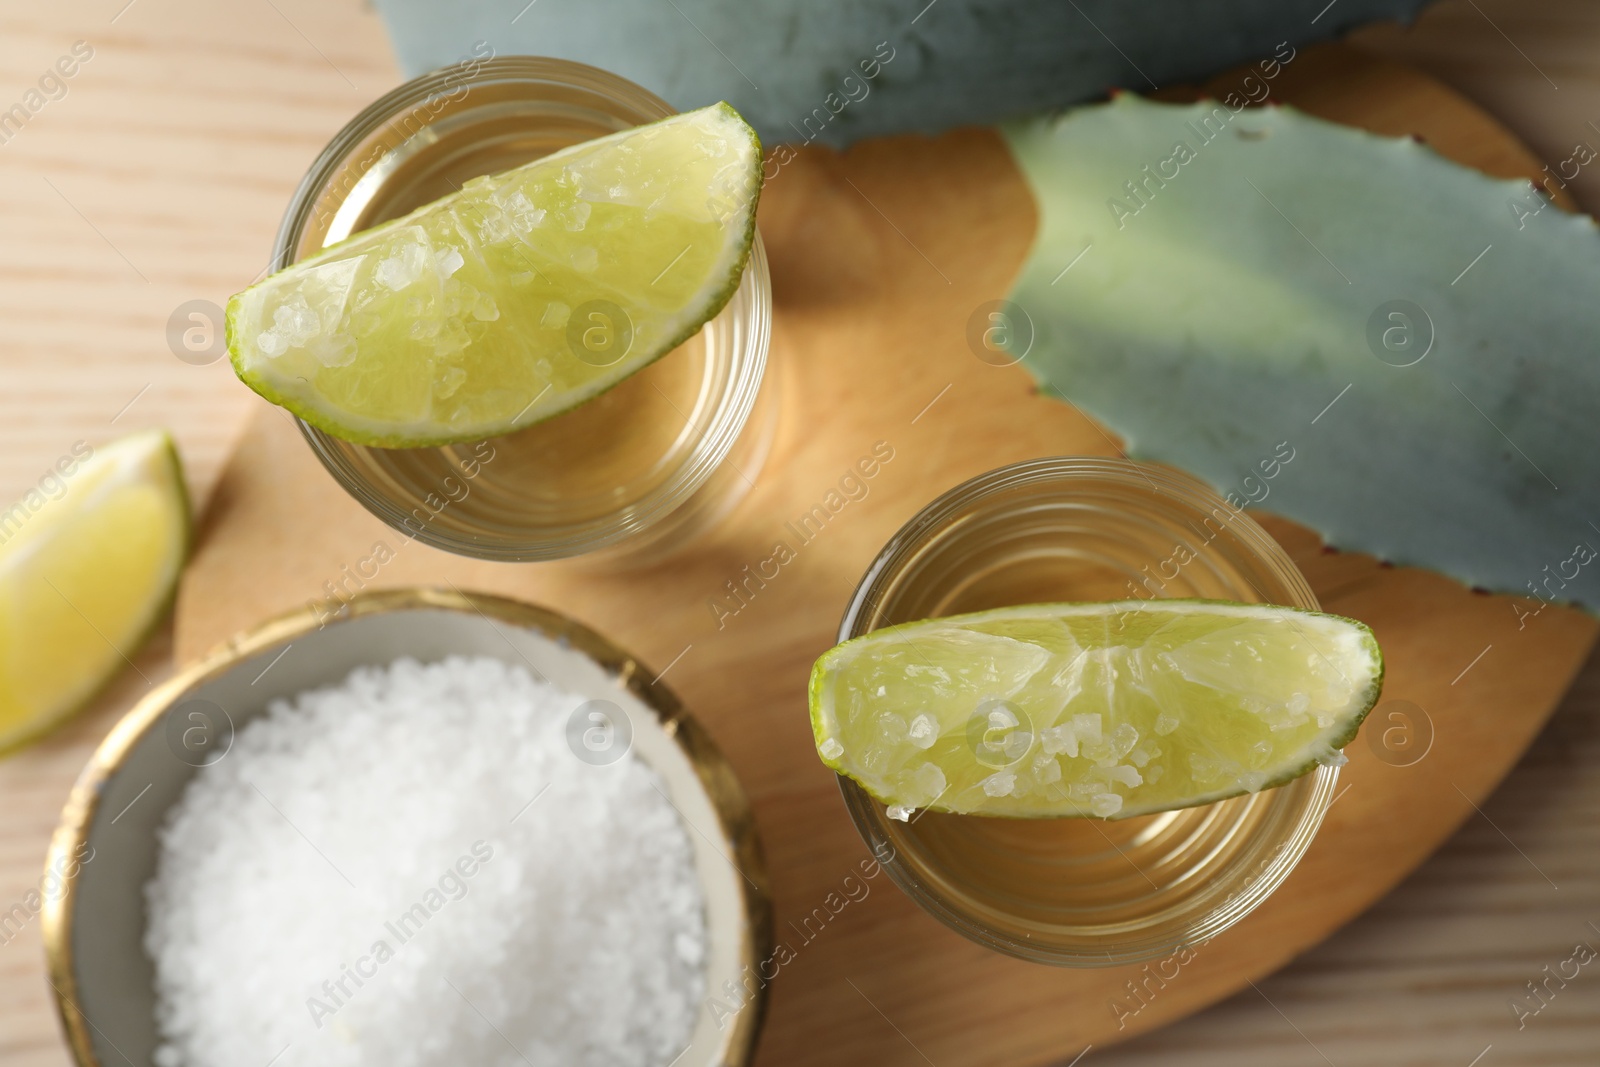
(188,114)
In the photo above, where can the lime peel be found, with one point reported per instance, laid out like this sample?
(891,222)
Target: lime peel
(1105,709)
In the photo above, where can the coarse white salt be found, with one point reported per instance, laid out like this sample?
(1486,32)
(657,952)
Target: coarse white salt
(1105,805)
(999,784)
(414,868)
(923,732)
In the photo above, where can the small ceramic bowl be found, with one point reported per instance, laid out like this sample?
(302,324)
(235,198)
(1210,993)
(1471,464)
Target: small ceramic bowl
(94,927)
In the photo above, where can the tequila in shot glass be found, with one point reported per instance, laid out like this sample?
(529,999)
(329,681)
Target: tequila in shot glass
(638,470)
(1080,891)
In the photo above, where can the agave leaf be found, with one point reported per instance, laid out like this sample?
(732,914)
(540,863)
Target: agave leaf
(794,68)
(1259,299)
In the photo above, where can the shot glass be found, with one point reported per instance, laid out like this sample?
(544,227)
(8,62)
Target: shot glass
(1078,891)
(639,470)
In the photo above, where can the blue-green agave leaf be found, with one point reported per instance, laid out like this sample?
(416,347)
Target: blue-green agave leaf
(1347,329)
(834,71)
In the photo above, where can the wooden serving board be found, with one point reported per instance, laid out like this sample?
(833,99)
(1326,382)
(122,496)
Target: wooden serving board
(879,255)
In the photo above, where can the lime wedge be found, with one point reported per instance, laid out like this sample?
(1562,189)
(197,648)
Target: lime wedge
(1110,710)
(88,564)
(514,299)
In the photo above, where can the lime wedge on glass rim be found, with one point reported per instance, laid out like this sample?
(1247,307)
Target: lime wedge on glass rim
(514,299)
(1106,709)
(85,575)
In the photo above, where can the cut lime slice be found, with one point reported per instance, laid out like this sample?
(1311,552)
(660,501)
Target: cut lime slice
(1112,710)
(86,571)
(518,297)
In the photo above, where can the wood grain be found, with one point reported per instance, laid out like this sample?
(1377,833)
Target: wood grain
(181,142)
(879,256)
